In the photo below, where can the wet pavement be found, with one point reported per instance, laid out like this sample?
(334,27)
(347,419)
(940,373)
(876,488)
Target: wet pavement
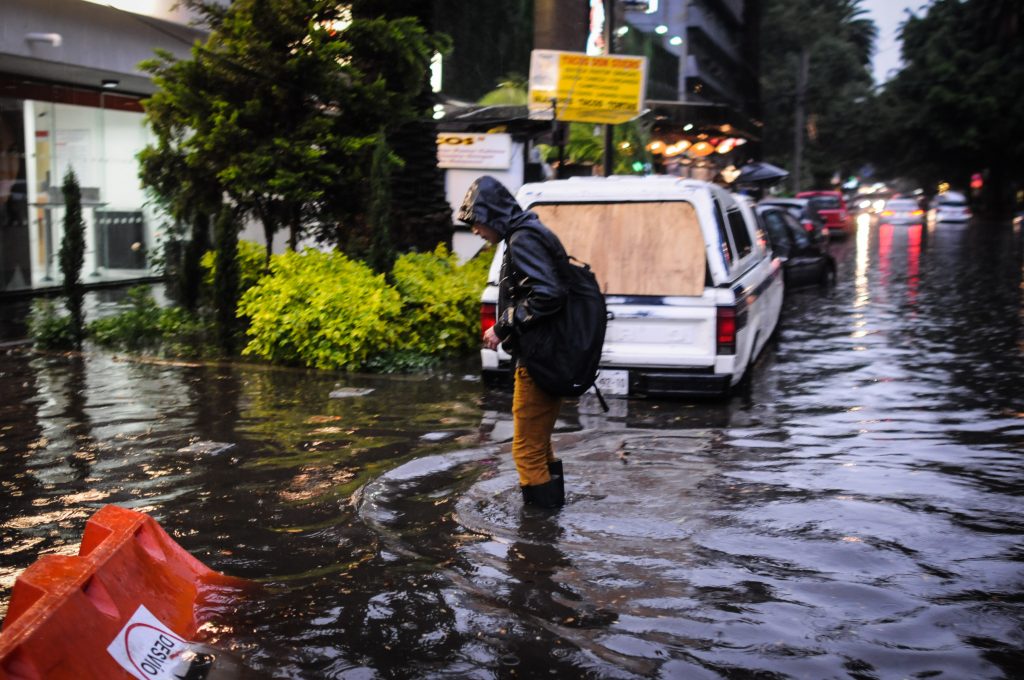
(854,512)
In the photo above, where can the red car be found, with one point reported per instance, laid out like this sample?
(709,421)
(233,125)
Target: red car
(832,208)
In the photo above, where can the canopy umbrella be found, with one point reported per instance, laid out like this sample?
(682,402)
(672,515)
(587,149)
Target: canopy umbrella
(760,173)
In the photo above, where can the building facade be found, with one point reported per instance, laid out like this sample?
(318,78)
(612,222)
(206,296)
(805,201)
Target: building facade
(70,98)
(713,117)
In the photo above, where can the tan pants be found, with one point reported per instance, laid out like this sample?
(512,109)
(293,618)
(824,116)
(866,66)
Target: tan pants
(534,413)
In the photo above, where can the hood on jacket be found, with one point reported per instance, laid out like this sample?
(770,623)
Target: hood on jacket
(489,202)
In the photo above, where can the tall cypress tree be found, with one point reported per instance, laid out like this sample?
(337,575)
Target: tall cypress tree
(378,213)
(72,255)
(189,273)
(225,280)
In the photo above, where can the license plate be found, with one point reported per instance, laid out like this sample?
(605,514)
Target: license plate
(615,383)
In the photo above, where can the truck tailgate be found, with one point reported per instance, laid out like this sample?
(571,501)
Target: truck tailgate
(660,335)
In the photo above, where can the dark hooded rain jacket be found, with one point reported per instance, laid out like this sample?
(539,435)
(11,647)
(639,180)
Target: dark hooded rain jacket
(530,289)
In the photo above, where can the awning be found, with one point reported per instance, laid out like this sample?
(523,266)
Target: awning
(696,118)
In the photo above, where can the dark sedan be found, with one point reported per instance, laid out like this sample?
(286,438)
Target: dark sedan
(805,262)
(805,214)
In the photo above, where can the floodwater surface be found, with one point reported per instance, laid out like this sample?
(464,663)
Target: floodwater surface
(854,512)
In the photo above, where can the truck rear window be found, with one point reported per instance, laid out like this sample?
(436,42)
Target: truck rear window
(654,248)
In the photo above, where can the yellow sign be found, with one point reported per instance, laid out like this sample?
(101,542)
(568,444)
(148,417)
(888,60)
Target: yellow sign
(576,87)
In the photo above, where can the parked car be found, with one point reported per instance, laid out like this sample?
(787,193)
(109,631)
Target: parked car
(801,209)
(832,207)
(804,261)
(692,288)
(950,206)
(902,211)
(872,203)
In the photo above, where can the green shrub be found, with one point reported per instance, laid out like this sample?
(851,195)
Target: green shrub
(48,328)
(137,327)
(441,301)
(252,266)
(322,310)
(185,334)
(144,325)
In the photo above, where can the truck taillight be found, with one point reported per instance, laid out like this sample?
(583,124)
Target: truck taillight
(488,317)
(726,330)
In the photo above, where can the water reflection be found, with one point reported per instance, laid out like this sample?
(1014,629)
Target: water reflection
(863,259)
(854,512)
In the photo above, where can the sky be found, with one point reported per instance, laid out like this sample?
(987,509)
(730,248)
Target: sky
(888,15)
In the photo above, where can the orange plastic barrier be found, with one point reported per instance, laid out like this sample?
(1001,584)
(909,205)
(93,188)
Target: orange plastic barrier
(66,611)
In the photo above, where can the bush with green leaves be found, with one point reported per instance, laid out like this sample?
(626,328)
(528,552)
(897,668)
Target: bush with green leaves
(137,327)
(440,301)
(252,266)
(322,310)
(144,325)
(48,327)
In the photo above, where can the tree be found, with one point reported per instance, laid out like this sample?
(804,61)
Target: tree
(585,147)
(189,195)
(816,85)
(420,214)
(225,280)
(378,215)
(72,255)
(957,106)
(490,39)
(280,110)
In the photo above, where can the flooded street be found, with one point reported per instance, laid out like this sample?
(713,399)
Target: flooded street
(855,512)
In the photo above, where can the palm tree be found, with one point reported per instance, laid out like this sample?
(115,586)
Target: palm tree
(858,29)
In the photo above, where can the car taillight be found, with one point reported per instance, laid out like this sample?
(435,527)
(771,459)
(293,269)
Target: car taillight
(488,317)
(808,226)
(725,327)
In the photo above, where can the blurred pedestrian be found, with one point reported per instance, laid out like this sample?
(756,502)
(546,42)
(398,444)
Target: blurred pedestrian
(530,291)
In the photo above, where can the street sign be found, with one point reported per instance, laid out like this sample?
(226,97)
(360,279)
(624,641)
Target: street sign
(576,87)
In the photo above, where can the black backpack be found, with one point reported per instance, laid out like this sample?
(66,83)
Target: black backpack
(562,354)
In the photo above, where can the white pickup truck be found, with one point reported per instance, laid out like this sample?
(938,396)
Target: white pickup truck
(692,288)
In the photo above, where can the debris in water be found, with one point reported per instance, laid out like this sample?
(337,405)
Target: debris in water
(346,392)
(207,448)
(437,436)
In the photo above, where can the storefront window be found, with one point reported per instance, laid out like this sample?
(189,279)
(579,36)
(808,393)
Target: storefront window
(15,264)
(100,141)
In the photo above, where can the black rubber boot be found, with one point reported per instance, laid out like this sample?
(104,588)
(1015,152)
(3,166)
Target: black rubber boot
(558,477)
(546,495)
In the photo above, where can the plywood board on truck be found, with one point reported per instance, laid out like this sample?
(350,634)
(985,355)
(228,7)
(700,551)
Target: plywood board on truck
(653,248)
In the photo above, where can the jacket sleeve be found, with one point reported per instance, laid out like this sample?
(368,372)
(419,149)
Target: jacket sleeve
(540,292)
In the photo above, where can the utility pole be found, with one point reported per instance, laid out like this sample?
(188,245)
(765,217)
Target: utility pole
(799,115)
(609,48)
